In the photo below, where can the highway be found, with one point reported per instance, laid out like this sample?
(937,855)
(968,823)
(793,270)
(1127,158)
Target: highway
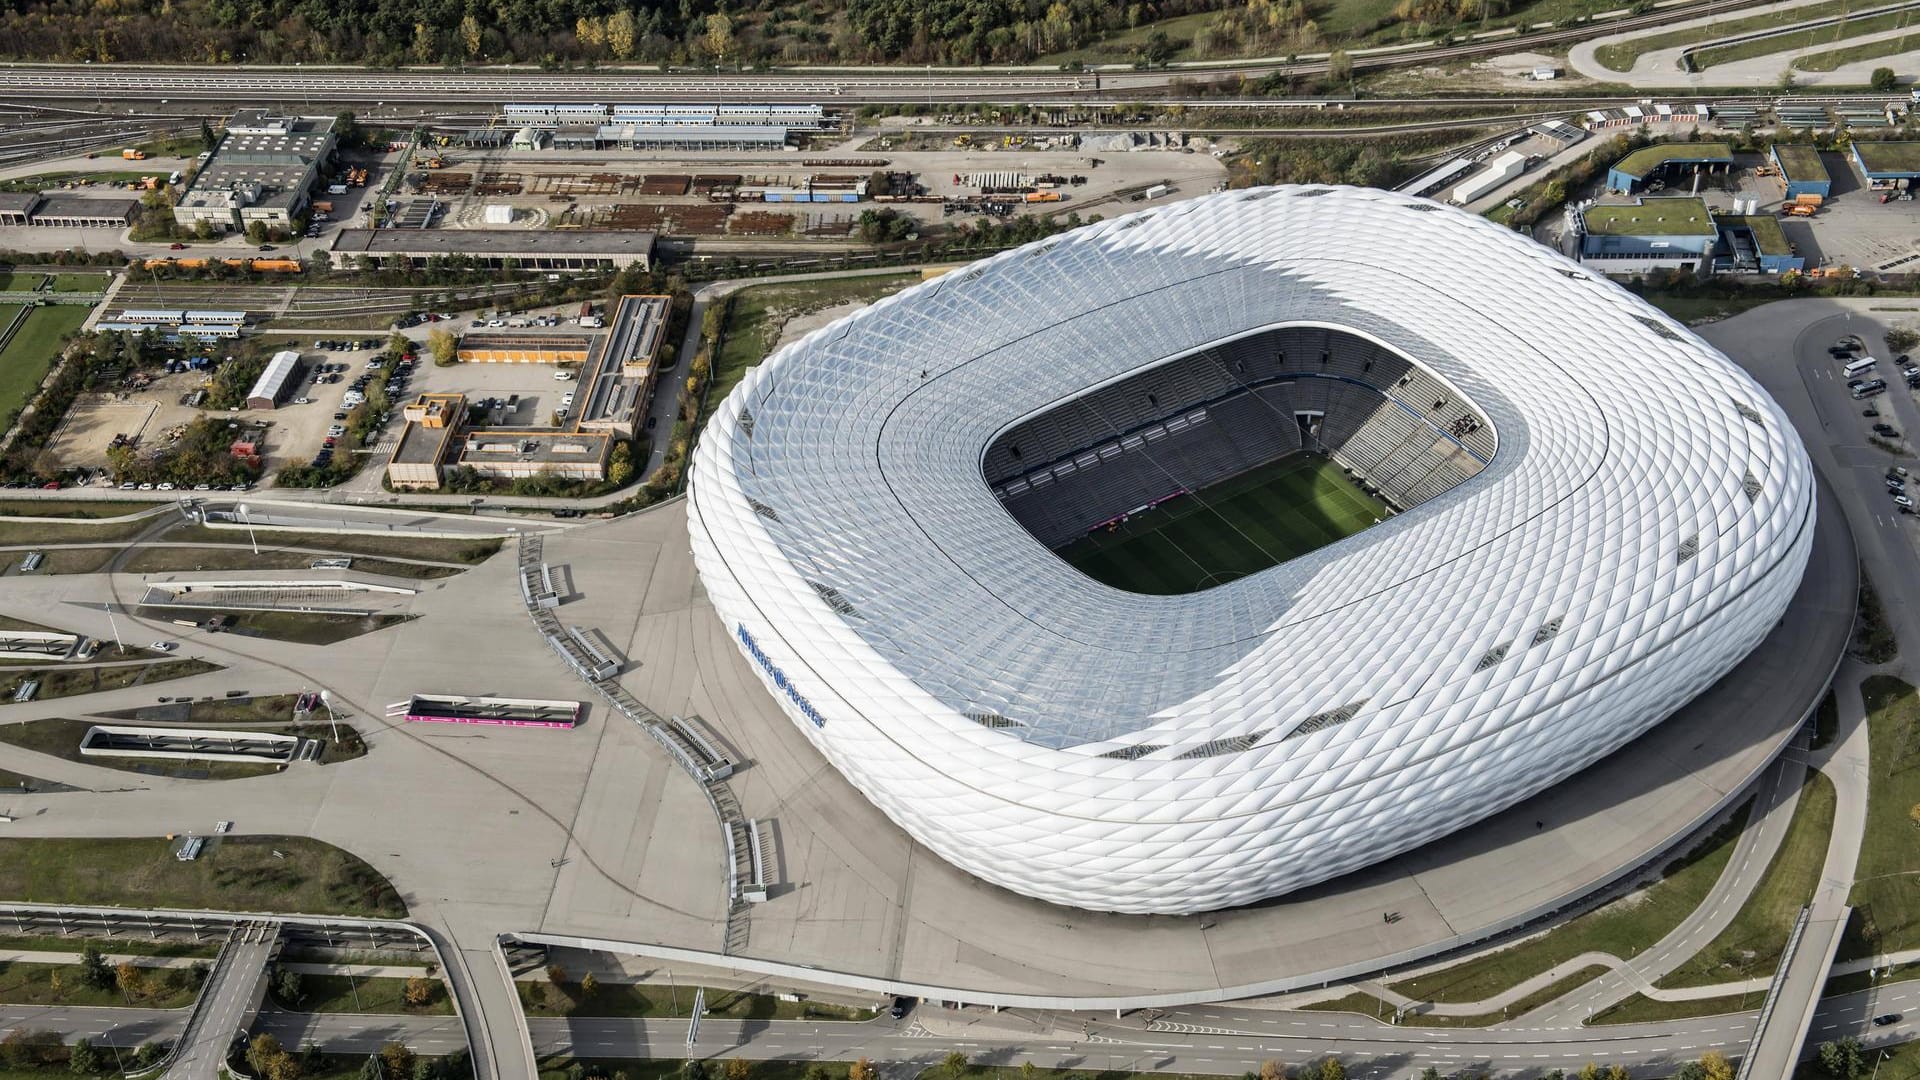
(343,85)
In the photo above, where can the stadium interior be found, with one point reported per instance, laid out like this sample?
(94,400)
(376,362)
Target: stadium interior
(1219,459)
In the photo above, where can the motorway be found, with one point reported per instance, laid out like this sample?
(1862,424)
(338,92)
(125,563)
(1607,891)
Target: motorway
(247,84)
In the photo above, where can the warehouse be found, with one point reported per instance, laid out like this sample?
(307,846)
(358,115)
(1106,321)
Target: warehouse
(78,212)
(1888,165)
(1657,166)
(1801,170)
(263,170)
(1754,244)
(1651,234)
(436,441)
(280,377)
(525,348)
(575,249)
(432,420)
(1499,171)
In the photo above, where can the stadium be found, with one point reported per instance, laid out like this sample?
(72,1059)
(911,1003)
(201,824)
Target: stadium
(1206,554)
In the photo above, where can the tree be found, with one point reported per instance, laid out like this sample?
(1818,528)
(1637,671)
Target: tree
(862,1069)
(1339,67)
(1902,338)
(287,986)
(1331,1069)
(1715,1066)
(619,471)
(444,346)
(589,984)
(1842,1060)
(208,140)
(736,1069)
(94,972)
(1883,79)
(418,991)
(620,33)
(270,1060)
(719,36)
(397,1059)
(1029,1071)
(1271,1070)
(470,35)
(257,232)
(84,1059)
(129,978)
(556,975)
(426,44)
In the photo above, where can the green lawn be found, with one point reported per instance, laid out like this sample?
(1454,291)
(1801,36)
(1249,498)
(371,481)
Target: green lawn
(1750,945)
(73,943)
(759,312)
(234,873)
(69,508)
(1698,309)
(1802,39)
(440,549)
(1368,1005)
(1886,903)
(78,532)
(27,357)
(1853,54)
(66,682)
(1619,56)
(1641,1009)
(1258,519)
(82,283)
(359,994)
(61,738)
(652,999)
(1622,927)
(308,628)
(60,984)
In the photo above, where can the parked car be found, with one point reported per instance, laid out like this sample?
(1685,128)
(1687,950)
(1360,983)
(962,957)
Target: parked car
(899,1007)
(1902,500)
(1886,429)
(1885,1019)
(163,646)
(303,401)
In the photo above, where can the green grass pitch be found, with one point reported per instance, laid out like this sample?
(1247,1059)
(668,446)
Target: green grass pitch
(1237,527)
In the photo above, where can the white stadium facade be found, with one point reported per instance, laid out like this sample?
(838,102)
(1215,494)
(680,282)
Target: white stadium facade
(1595,516)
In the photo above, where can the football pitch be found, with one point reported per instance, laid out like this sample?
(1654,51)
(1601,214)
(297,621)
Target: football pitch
(1237,527)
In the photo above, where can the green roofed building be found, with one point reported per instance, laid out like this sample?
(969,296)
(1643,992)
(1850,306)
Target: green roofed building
(1888,164)
(1801,170)
(1666,161)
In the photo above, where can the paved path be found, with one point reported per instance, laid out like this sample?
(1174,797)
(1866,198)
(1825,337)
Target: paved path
(226,1004)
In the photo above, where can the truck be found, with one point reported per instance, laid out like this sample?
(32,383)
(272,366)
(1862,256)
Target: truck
(323,206)
(336,189)
(1157,190)
(130,154)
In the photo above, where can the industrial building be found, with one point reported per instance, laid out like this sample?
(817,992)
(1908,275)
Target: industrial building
(264,169)
(1888,165)
(1645,521)
(1681,233)
(1498,171)
(436,440)
(16,207)
(525,348)
(574,249)
(1801,170)
(652,127)
(1682,164)
(639,329)
(81,212)
(278,379)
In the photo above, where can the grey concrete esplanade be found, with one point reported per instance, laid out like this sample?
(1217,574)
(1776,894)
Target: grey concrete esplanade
(865,907)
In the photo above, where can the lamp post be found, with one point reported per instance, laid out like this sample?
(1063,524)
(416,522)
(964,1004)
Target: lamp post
(247,520)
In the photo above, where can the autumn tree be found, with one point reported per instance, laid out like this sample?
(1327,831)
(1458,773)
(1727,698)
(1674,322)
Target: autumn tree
(588,984)
(130,978)
(1715,1066)
(736,1069)
(444,346)
(954,1064)
(418,991)
(620,33)
(397,1059)
(425,43)
(862,1069)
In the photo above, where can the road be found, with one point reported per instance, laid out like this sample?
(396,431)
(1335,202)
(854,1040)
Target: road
(227,1003)
(307,83)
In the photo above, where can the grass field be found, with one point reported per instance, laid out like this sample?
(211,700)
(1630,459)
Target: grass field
(1619,56)
(1258,519)
(1802,39)
(153,560)
(28,356)
(1886,905)
(66,682)
(1367,1005)
(1750,945)
(358,994)
(1853,54)
(69,508)
(234,873)
(1641,1009)
(1622,927)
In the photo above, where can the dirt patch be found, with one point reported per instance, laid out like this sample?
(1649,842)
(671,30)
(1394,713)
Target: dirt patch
(94,419)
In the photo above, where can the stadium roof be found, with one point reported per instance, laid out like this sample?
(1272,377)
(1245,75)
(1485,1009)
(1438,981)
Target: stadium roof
(1642,524)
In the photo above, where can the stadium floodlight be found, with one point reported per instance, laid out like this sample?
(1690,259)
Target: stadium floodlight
(1590,516)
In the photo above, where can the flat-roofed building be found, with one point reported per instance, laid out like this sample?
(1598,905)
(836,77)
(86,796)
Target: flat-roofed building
(275,381)
(639,329)
(263,169)
(526,348)
(521,455)
(432,423)
(16,207)
(81,212)
(573,249)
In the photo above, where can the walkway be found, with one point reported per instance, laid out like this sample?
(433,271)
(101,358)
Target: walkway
(227,1002)
(1660,68)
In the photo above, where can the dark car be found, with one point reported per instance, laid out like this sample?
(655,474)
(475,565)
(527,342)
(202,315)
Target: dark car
(1885,429)
(1869,411)
(901,1004)
(1885,1019)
